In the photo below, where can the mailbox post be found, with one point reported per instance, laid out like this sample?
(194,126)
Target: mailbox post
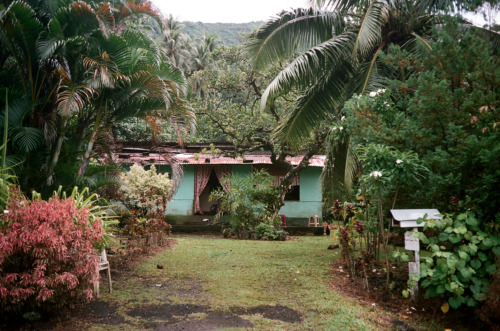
(407,218)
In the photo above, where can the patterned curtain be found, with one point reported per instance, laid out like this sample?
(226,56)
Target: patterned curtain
(201,177)
(221,172)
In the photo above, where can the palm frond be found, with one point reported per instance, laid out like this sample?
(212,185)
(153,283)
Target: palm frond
(71,98)
(292,32)
(371,69)
(27,139)
(302,72)
(324,98)
(369,33)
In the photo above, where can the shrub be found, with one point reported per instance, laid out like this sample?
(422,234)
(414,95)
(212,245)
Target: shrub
(45,255)
(462,261)
(247,201)
(269,232)
(144,188)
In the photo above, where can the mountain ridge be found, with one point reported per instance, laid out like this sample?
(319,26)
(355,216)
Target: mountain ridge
(229,33)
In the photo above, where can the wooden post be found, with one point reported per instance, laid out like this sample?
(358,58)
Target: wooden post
(413,244)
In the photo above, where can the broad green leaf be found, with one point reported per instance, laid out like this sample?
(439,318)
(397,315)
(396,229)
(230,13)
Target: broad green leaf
(483,257)
(465,272)
(480,296)
(426,283)
(487,243)
(443,236)
(476,264)
(448,230)
(463,255)
(475,289)
(456,302)
(454,238)
(491,268)
(472,221)
(496,250)
(471,302)
(431,291)
(440,289)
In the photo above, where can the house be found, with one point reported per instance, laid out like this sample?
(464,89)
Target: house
(202,173)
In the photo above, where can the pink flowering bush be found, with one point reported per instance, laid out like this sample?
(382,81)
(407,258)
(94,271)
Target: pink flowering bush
(45,255)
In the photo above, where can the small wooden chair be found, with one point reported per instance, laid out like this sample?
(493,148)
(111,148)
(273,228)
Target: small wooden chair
(283,219)
(313,221)
(103,265)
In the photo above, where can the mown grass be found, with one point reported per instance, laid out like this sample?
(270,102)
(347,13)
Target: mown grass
(230,274)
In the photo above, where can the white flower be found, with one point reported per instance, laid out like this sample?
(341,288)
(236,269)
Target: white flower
(334,128)
(5,211)
(373,94)
(398,161)
(341,128)
(380,91)
(343,118)
(376,174)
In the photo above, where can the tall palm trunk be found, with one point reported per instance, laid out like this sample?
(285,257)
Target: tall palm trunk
(57,151)
(336,175)
(5,130)
(93,137)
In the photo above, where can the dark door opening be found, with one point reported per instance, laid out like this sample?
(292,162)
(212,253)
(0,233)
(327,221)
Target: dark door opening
(213,184)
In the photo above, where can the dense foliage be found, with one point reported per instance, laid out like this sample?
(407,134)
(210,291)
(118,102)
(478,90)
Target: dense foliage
(444,113)
(462,261)
(74,70)
(248,201)
(46,250)
(440,108)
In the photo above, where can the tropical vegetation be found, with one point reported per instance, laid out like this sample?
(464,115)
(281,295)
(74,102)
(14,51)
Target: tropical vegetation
(74,70)
(401,96)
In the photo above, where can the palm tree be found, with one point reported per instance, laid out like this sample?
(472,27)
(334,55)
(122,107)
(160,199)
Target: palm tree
(338,43)
(175,44)
(202,52)
(77,67)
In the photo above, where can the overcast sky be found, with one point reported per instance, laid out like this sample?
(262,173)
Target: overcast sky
(241,11)
(225,11)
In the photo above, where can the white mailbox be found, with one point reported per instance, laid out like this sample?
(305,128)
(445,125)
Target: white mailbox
(407,218)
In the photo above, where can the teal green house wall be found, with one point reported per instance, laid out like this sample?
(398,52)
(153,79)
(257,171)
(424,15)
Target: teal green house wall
(310,196)
(183,200)
(310,192)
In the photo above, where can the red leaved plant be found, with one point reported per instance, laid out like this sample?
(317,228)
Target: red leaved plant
(46,250)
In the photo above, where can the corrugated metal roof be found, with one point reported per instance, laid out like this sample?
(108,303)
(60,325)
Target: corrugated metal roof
(188,158)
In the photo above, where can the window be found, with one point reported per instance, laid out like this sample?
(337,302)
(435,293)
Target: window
(293,193)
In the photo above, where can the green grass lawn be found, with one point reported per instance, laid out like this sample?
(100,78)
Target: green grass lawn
(236,275)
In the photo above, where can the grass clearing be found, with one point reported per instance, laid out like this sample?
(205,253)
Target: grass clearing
(250,280)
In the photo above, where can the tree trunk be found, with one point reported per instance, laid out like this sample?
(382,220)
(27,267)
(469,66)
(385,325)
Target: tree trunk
(90,146)
(287,180)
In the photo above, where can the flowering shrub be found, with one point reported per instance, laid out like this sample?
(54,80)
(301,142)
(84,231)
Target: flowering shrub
(144,187)
(45,255)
